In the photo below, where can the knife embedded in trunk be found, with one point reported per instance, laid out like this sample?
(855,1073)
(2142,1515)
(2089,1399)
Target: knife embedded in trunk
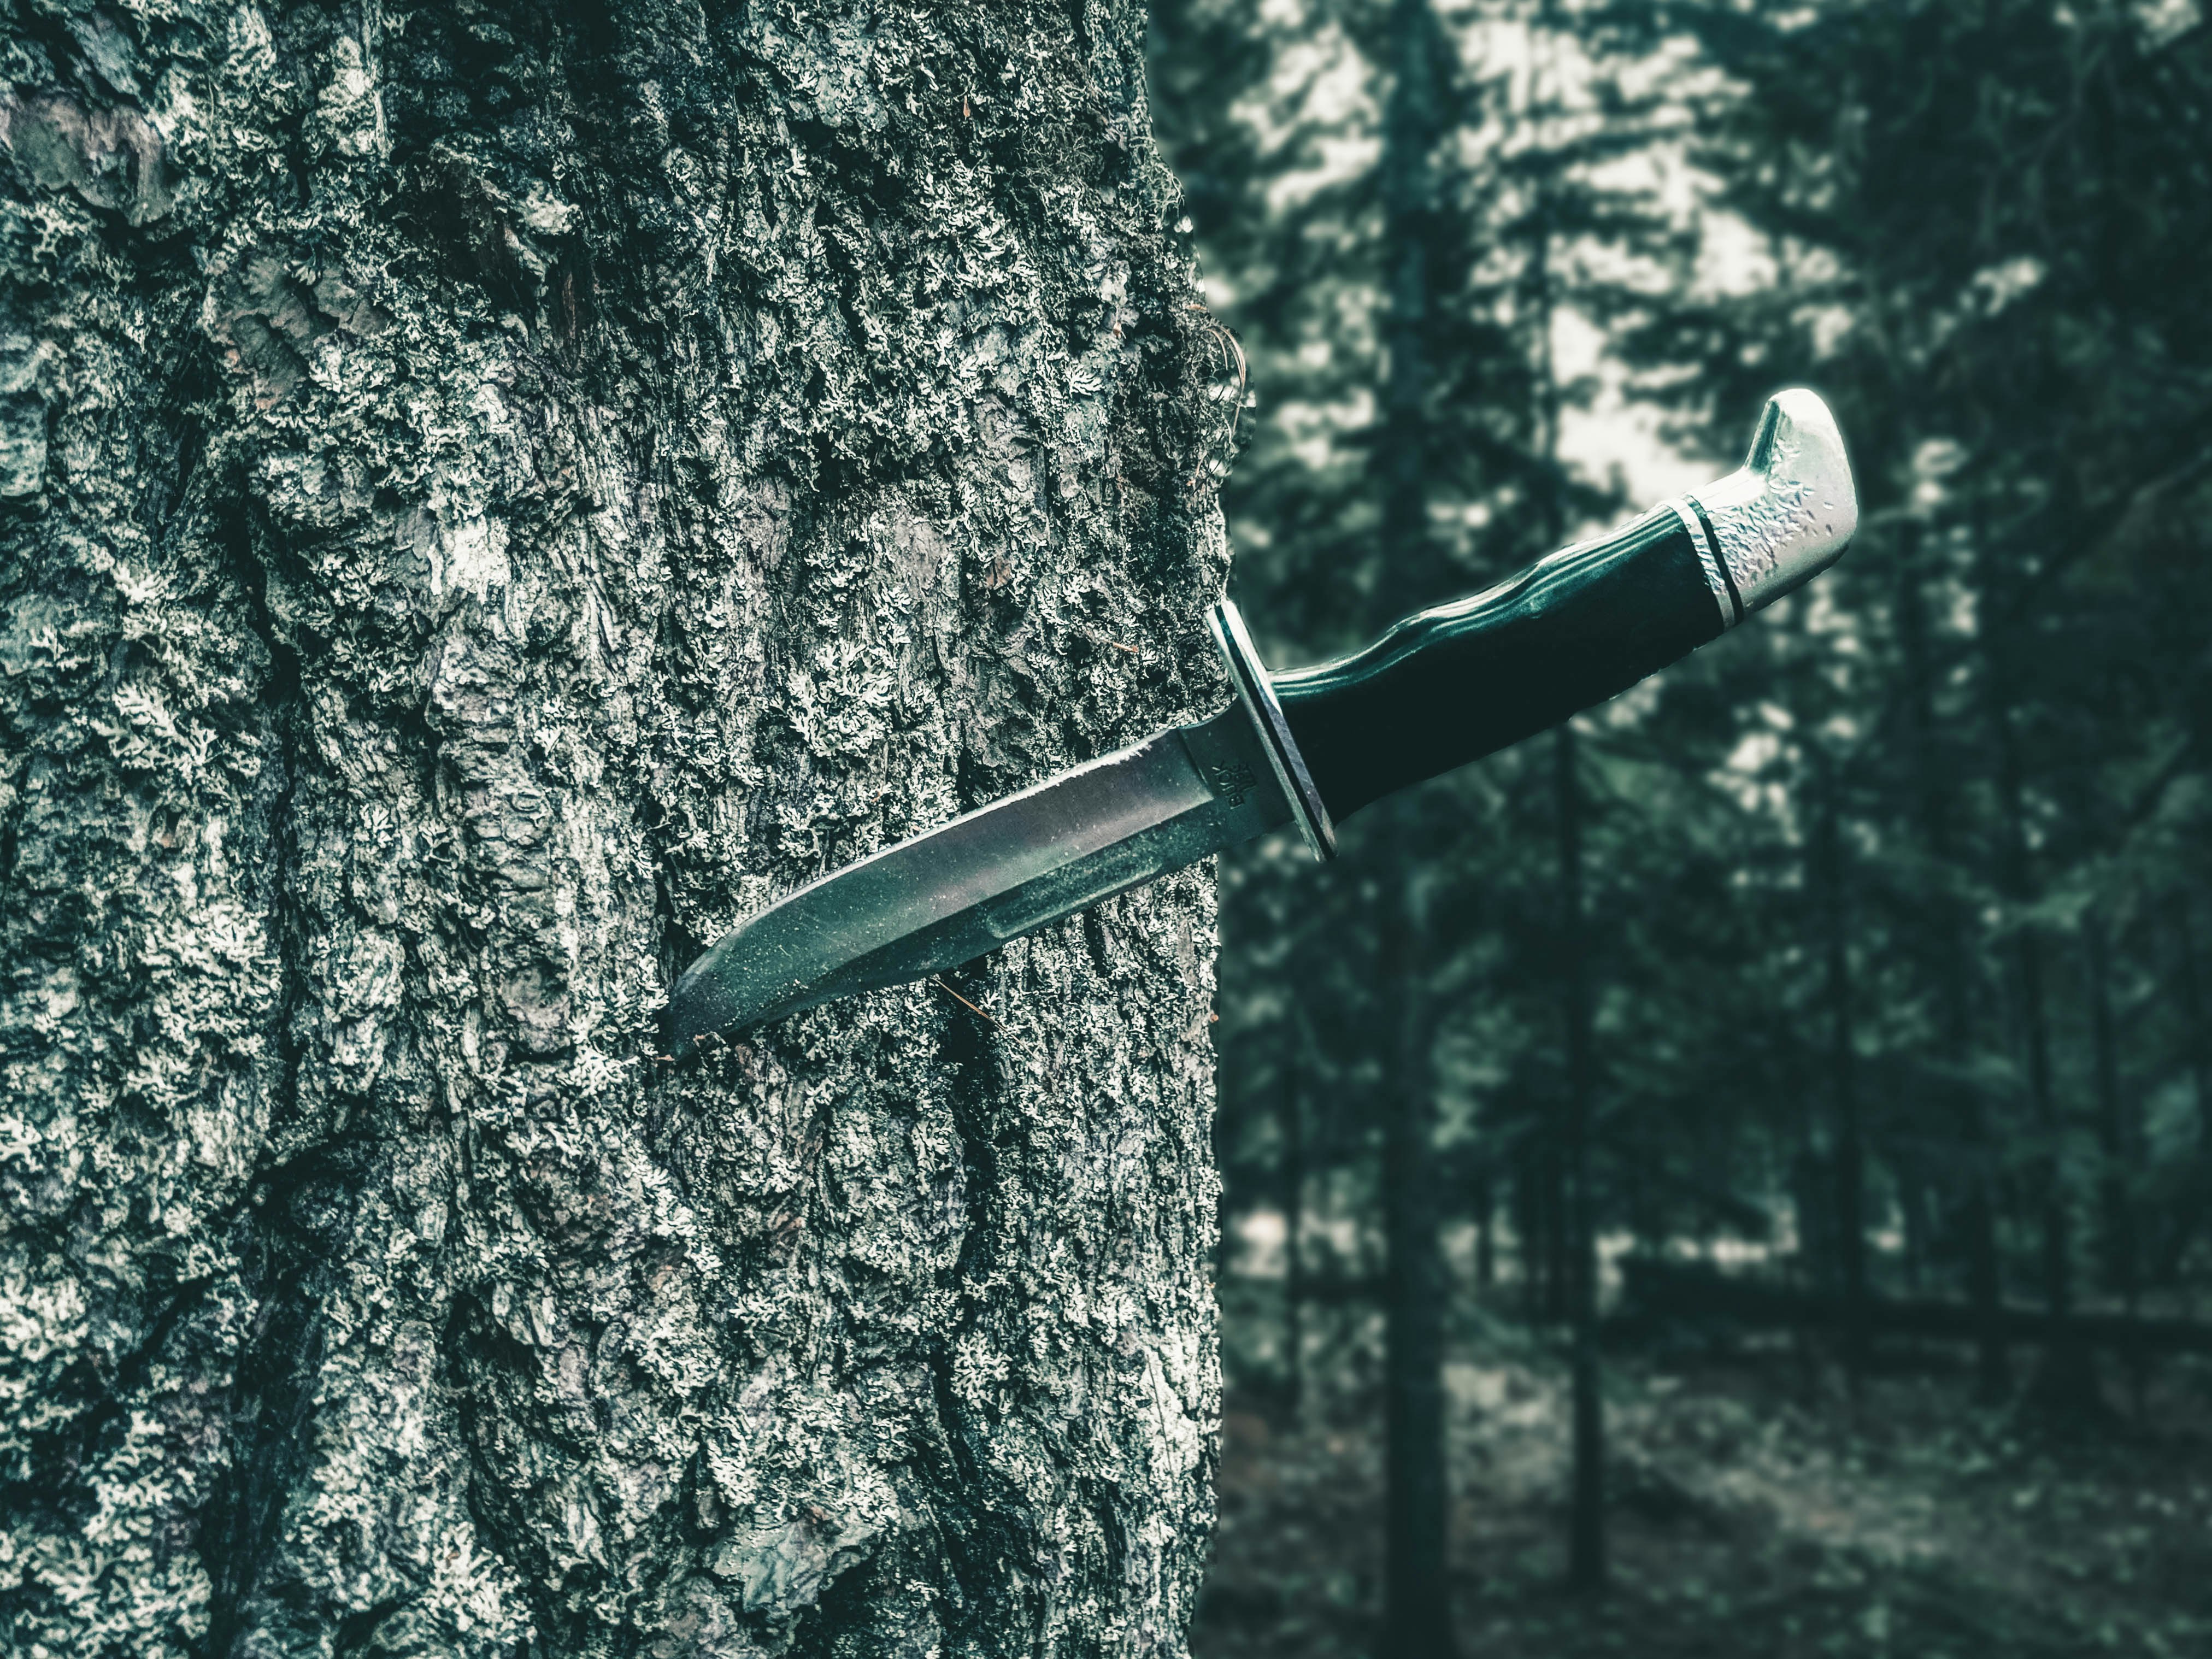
(1308,747)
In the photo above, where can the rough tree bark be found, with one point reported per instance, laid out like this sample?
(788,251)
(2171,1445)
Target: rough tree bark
(493,493)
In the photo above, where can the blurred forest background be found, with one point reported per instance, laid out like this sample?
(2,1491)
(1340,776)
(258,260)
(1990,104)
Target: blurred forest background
(1729,1176)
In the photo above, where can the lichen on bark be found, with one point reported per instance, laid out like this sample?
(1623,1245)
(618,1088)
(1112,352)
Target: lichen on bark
(493,493)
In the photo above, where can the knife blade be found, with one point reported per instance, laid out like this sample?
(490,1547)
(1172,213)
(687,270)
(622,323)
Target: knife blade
(1436,690)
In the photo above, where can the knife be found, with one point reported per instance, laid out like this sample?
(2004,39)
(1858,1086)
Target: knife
(1310,747)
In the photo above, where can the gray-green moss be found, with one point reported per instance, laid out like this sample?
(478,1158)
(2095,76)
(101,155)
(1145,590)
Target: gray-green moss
(491,493)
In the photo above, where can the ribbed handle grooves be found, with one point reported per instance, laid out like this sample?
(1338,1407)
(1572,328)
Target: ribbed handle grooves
(1452,684)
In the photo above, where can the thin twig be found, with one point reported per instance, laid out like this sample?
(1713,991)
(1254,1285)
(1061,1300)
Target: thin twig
(939,981)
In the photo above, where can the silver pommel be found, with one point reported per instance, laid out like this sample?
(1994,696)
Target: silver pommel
(1782,517)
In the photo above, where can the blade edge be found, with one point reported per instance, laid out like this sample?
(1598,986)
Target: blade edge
(980,880)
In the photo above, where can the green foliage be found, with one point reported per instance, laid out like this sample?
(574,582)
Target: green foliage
(1895,899)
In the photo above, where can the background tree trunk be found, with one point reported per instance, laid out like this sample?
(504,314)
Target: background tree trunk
(1829,877)
(1586,1543)
(1417,1613)
(492,494)
(1934,808)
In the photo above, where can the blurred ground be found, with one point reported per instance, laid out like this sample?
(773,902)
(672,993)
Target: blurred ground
(1757,1512)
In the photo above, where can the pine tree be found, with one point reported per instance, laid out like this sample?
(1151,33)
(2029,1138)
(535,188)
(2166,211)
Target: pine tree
(1972,216)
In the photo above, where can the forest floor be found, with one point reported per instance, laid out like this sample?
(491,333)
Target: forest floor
(1755,1509)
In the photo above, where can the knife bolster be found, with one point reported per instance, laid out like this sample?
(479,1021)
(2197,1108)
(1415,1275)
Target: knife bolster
(1257,692)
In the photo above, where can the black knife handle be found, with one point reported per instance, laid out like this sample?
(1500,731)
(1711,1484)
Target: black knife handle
(1452,684)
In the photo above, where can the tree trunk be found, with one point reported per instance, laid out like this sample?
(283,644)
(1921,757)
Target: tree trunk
(494,494)
(1417,1590)
(1849,1170)
(1586,1553)
(1946,917)
(2116,1139)
(1416,1621)
(2065,1386)
(1573,1275)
